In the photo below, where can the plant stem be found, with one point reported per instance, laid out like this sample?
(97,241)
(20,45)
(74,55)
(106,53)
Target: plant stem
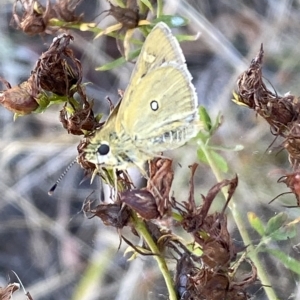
(140,227)
(159,8)
(239,221)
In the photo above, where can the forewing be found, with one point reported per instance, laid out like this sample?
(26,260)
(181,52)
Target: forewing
(160,47)
(165,115)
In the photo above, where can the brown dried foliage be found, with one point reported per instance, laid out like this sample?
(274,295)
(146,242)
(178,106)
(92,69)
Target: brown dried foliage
(213,278)
(111,214)
(20,99)
(82,119)
(153,201)
(209,276)
(6,292)
(292,181)
(141,201)
(281,112)
(34,18)
(58,70)
(129,16)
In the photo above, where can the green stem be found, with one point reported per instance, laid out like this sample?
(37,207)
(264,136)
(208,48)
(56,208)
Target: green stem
(159,8)
(239,221)
(140,227)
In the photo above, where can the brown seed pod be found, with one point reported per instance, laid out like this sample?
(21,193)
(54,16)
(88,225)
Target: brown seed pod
(112,214)
(292,181)
(58,70)
(20,99)
(278,111)
(35,18)
(64,10)
(160,182)
(128,17)
(82,119)
(142,202)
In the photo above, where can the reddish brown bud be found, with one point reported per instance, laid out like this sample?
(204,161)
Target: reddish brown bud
(142,202)
(19,99)
(128,17)
(113,214)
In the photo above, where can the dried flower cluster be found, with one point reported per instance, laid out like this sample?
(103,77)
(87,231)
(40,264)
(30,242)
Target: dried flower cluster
(36,19)
(212,275)
(209,276)
(57,71)
(281,112)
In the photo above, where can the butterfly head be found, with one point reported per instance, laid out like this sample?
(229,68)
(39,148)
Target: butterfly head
(101,155)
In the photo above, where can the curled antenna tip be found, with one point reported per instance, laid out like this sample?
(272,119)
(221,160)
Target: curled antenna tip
(51,191)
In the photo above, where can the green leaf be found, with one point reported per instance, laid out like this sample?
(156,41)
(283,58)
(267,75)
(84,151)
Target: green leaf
(120,3)
(172,21)
(256,223)
(205,118)
(228,149)
(217,123)
(47,99)
(220,161)
(202,136)
(186,37)
(290,263)
(217,158)
(114,64)
(118,62)
(148,4)
(283,233)
(201,156)
(275,223)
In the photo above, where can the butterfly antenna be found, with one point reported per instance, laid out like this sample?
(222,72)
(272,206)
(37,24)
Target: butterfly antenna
(52,189)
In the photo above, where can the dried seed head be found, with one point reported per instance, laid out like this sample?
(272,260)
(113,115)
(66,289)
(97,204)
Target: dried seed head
(292,144)
(20,99)
(278,111)
(113,214)
(85,164)
(64,10)
(128,17)
(81,120)
(292,181)
(36,19)
(142,202)
(58,70)
(186,268)
(160,183)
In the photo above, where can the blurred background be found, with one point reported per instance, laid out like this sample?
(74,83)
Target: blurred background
(57,252)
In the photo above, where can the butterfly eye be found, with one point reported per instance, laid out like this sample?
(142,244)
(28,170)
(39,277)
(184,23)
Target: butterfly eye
(103,149)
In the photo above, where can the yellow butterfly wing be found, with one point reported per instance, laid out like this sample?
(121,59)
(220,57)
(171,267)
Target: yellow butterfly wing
(159,108)
(158,111)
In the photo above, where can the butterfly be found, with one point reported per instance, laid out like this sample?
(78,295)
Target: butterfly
(158,111)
